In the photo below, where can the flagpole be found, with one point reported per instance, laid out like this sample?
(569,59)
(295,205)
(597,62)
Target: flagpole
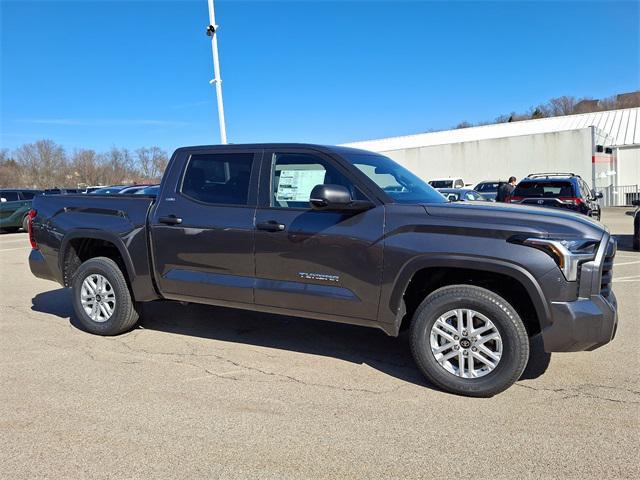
(212,30)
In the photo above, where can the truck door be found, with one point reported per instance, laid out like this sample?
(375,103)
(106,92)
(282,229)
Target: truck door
(202,227)
(314,261)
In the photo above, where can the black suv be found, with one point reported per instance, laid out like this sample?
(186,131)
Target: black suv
(557,190)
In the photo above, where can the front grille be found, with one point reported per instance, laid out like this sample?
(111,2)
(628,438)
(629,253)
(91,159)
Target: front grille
(607,269)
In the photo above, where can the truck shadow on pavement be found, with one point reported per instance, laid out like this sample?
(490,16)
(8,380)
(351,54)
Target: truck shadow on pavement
(351,343)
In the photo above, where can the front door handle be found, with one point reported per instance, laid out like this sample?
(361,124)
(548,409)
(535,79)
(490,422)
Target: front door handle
(270,226)
(170,220)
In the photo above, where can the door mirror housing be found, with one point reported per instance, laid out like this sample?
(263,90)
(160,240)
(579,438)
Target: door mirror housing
(335,197)
(595,195)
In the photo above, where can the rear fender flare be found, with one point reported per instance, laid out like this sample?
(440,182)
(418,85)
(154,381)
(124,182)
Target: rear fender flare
(97,235)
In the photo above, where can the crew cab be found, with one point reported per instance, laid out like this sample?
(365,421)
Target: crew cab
(339,234)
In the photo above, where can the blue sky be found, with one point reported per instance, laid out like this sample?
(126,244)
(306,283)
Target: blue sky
(103,73)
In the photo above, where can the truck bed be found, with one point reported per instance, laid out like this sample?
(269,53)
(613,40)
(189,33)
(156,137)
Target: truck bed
(119,220)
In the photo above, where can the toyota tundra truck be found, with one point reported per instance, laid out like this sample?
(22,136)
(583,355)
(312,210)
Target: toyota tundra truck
(339,234)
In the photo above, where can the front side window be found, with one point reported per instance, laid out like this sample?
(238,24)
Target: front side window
(293,176)
(218,178)
(27,195)
(397,182)
(488,187)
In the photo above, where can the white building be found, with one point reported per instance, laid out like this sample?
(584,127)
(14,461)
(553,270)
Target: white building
(602,147)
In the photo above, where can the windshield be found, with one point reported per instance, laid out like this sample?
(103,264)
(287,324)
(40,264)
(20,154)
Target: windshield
(544,189)
(149,190)
(396,181)
(107,190)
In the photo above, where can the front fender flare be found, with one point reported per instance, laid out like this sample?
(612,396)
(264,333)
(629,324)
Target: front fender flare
(468,262)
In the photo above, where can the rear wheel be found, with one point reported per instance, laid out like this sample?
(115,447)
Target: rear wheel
(468,340)
(101,298)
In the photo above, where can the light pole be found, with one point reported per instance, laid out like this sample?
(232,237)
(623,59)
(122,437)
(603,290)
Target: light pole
(217,80)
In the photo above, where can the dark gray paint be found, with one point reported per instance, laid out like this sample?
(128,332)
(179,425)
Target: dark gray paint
(350,267)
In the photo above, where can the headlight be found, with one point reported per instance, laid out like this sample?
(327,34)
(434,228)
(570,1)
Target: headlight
(567,253)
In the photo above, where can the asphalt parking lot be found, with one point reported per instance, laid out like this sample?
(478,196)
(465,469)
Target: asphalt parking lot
(199,392)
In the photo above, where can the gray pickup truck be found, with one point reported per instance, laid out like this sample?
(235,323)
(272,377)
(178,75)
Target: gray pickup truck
(337,234)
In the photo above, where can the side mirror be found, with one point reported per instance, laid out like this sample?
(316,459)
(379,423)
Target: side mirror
(335,197)
(595,195)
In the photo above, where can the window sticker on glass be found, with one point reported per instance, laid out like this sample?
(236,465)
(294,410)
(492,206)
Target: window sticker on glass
(296,185)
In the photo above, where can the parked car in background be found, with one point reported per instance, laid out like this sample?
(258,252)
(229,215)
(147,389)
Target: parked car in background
(132,189)
(340,234)
(636,225)
(14,208)
(151,190)
(446,183)
(62,191)
(488,189)
(566,191)
(461,195)
(112,190)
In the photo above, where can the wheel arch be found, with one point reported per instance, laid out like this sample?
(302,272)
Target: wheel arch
(483,267)
(68,264)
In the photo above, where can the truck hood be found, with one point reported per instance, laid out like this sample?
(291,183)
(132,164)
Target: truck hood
(508,219)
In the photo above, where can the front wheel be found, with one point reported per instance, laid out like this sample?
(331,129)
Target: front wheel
(101,298)
(469,341)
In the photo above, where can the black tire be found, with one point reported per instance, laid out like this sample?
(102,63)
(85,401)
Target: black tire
(515,341)
(25,223)
(9,229)
(125,314)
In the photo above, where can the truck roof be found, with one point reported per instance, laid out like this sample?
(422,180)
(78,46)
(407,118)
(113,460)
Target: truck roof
(312,146)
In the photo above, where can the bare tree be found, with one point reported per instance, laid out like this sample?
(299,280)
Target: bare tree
(43,163)
(151,162)
(86,167)
(10,172)
(562,106)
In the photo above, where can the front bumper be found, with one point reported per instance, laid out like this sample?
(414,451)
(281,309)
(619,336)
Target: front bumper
(590,321)
(585,324)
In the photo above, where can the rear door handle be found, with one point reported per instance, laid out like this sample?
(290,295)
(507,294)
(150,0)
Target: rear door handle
(270,226)
(170,220)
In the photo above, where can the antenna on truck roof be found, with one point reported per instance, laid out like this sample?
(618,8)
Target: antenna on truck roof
(217,80)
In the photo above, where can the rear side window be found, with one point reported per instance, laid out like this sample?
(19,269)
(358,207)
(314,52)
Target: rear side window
(218,178)
(9,196)
(544,189)
(27,195)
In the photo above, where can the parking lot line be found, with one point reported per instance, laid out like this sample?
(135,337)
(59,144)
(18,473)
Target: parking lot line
(627,263)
